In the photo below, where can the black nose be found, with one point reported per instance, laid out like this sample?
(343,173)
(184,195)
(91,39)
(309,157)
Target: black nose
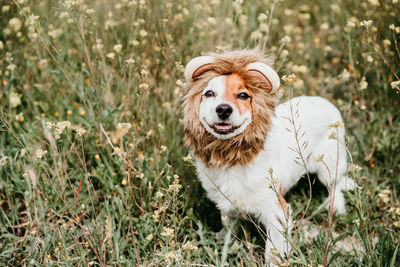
(224,111)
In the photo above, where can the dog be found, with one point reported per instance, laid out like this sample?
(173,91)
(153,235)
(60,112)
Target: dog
(249,151)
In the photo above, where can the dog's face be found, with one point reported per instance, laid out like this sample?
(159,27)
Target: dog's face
(228,105)
(225,108)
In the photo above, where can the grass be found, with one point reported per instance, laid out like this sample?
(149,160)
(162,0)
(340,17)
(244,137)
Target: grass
(92,162)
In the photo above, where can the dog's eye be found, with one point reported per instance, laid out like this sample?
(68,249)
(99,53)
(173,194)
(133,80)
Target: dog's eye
(243,96)
(209,93)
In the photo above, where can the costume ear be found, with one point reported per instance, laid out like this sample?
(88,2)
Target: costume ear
(198,66)
(266,73)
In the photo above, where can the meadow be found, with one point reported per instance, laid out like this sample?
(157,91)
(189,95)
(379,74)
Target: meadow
(93,167)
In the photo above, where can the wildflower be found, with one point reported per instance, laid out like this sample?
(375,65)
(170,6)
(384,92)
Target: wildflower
(256,35)
(384,195)
(363,84)
(111,55)
(228,21)
(262,17)
(159,195)
(117,48)
(289,78)
(64,15)
(188,158)
(168,232)
(386,42)
(366,23)
(5,9)
(332,136)
(80,131)
(392,27)
(354,168)
(144,86)
(319,158)
(143,33)
(55,33)
(395,85)
(286,39)
(32,20)
(15,99)
(130,61)
(97,156)
(300,69)
(171,257)
(90,11)
(211,20)
(163,148)
(11,67)
(60,126)
(15,24)
(273,182)
(19,117)
(156,215)
(135,42)
(175,187)
(82,112)
(1,45)
(263,27)
(149,237)
(374,2)
(189,246)
(144,72)
(243,19)
(40,153)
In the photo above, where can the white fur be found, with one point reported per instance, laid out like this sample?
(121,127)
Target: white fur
(196,63)
(208,105)
(268,72)
(247,186)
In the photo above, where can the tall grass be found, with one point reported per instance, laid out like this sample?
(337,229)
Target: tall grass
(92,162)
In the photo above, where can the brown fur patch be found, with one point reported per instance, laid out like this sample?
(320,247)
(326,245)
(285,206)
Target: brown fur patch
(243,148)
(235,85)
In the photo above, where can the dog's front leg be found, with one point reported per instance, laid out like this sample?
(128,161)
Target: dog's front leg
(278,224)
(229,222)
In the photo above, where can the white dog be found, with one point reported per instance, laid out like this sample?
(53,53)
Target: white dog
(248,151)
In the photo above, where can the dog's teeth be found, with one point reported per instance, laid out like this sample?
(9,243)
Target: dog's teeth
(223,127)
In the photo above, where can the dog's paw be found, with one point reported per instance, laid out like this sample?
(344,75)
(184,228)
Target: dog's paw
(347,184)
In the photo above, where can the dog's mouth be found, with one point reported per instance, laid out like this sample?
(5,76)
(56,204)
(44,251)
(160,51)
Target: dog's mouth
(224,128)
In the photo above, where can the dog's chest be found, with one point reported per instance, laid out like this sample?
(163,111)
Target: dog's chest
(237,186)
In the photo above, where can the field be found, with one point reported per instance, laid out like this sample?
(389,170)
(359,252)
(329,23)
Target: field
(93,167)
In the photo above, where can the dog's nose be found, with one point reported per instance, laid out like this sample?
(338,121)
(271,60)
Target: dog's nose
(223,111)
